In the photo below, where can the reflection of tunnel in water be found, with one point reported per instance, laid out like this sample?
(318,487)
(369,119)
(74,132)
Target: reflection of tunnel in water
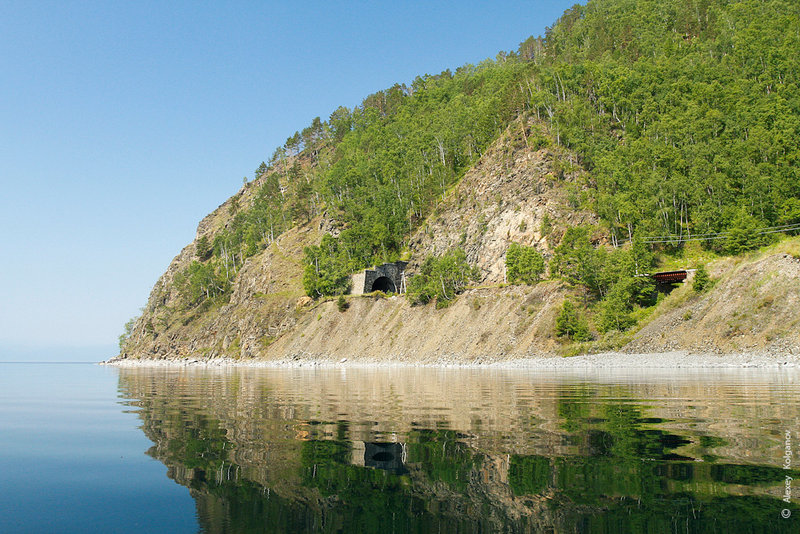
(386,456)
(384,284)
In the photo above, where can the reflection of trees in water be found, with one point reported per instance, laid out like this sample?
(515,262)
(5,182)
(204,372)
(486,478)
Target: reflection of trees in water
(262,470)
(631,476)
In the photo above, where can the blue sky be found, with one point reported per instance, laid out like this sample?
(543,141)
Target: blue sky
(122,124)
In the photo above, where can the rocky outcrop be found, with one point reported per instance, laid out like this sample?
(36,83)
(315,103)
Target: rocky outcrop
(262,306)
(517,192)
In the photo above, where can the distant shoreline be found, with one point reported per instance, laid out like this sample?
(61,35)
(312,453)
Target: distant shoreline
(605,361)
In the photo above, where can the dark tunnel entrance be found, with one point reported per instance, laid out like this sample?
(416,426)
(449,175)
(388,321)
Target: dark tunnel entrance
(384,284)
(386,456)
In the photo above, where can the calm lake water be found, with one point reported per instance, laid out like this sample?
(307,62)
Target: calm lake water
(96,449)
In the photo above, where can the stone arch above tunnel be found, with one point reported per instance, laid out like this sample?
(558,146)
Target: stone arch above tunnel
(389,278)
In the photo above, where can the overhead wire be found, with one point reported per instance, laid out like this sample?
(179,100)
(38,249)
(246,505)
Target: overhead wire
(651,240)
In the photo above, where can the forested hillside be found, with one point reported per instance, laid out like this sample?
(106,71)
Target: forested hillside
(685,113)
(681,119)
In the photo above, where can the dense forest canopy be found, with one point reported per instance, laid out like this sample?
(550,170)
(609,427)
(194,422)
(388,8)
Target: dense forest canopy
(692,107)
(685,115)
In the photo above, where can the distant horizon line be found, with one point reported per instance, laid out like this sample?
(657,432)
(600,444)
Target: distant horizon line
(47,362)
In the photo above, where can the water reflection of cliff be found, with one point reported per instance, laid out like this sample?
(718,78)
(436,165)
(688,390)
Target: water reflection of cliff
(464,451)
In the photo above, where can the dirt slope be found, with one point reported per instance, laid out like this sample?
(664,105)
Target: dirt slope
(754,306)
(482,325)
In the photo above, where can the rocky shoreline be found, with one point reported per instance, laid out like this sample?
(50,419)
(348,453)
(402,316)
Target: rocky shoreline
(605,361)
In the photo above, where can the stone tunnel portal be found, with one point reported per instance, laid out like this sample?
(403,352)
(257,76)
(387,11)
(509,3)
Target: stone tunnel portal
(384,284)
(389,278)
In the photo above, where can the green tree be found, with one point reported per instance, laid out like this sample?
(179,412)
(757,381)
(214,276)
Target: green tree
(614,310)
(546,226)
(341,122)
(702,280)
(523,264)
(576,259)
(743,234)
(201,281)
(203,248)
(790,212)
(570,323)
(261,170)
(126,333)
(326,271)
(442,278)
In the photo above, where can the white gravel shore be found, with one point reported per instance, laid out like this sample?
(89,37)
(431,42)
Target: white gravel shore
(612,360)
